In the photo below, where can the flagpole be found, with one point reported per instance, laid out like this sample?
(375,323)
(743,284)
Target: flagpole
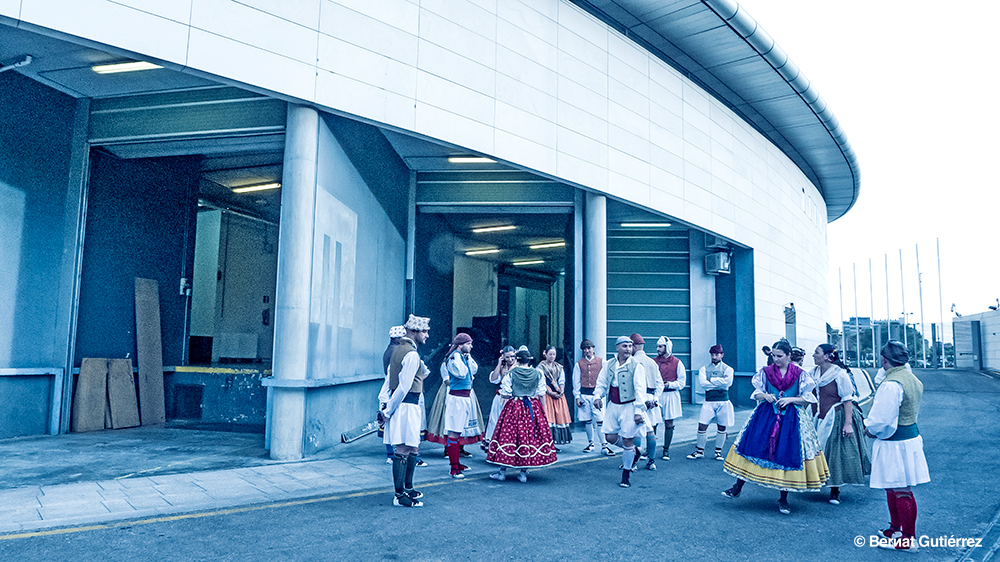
(902,296)
(857,330)
(920,288)
(871,300)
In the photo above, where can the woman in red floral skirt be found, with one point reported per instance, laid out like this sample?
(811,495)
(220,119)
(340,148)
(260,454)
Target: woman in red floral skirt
(522,438)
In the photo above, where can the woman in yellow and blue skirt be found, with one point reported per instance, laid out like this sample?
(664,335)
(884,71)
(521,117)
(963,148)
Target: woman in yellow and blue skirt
(778,447)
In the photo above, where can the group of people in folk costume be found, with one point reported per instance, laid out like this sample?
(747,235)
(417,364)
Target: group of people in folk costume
(806,432)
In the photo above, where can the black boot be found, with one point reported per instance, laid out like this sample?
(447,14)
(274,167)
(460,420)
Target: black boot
(399,463)
(411,464)
(625,475)
(668,436)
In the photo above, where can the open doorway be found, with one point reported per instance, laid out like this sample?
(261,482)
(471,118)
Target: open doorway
(499,276)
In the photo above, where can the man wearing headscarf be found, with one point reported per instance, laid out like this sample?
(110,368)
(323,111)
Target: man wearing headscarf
(584,380)
(460,419)
(623,381)
(898,453)
(395,334)
(654,387)
(716,380)
(674,377)
(401,409)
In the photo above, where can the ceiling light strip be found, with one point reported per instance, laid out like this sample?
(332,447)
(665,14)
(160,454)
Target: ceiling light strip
(548,245)
(493,228)
(483,252)
(645,224)
(124,67)
(251,188)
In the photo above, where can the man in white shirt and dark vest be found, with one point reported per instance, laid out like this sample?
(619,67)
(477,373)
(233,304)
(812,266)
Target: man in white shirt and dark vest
(401,409)
(715,378)
(623,381)
(585,373)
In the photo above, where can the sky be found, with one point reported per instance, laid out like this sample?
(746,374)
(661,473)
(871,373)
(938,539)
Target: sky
(914,86)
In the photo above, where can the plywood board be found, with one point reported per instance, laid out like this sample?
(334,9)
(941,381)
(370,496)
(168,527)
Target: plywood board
(121,394)
(91,395)
(150,351)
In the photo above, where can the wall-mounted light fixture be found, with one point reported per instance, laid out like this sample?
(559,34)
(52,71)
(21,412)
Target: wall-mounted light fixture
(548,245)
(493,228)
(124,67)
(470,160)
(483,252)
(644,224)
(250,188)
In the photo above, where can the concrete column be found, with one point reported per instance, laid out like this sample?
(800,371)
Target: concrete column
(703,313)
(578,286)
(595,272)
(292,294)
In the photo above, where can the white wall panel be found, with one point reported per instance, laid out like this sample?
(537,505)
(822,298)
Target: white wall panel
(515,121)
(457,68)
(582,73)
(10,8)
(593,126)
(241,62)
(474,37)
(377,36)
(475,16)
(582,146)
(627,165)
(302,12)
(455,98)
(583,172)
(534,101)
(364,100)
(113,24)
(362,65)
(438,123)
(519,149)
(527,17)
(581,97)
(531,46)
(401,14)
(179,10)
(254,27)
(584,50)
(522,69)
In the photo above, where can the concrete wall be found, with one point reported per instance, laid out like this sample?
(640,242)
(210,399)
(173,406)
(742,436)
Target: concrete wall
(357,295)
(36,202)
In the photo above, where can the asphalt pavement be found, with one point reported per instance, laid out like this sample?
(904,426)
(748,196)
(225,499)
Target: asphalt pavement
(338,507)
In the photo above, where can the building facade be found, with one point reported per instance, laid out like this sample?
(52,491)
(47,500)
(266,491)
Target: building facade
(655,167)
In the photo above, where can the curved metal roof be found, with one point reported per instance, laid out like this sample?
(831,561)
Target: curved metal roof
(716,44)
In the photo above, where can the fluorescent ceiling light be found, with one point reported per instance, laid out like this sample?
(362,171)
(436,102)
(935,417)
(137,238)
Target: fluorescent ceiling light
(262,187)
(124,67)
(645,224)
(532,262)
(482,252)
(493,228)
(470,160)
(549,245)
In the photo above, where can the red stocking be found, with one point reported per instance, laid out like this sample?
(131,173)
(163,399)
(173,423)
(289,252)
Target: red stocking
(907,507)
(890,497)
